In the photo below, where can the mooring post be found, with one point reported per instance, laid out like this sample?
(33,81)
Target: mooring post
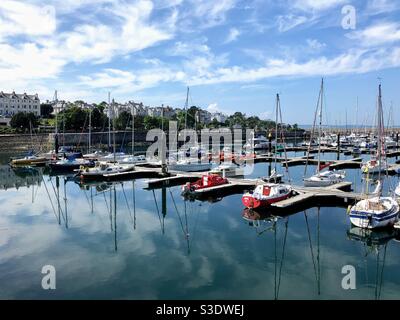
(338,146)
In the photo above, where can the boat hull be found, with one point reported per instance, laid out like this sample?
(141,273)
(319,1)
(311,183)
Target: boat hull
(373,220)
(249,201)
(190,167)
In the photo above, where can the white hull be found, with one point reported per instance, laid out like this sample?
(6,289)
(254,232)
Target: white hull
(325,179)
(371,218)
(190,167)
(320,183)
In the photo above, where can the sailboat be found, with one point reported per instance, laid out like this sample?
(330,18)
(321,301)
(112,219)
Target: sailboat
(326,178)
(267,193)
(104,170)
(377,211)
(189,164)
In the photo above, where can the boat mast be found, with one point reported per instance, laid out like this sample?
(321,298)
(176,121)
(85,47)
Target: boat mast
(320,125)
(90,129)
(276,127)
(186,109)
(56,103)
(109,123)
(113,129)
(380,144)
(133,130)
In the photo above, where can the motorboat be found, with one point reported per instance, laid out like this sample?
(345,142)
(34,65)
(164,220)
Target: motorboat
(140,159)
(102,169)
(325,178)
(29,160)
(266,194)
(70,164)
(190,166)
(258,143)
(374,166)
(228,170)
(117,156)
(206,181)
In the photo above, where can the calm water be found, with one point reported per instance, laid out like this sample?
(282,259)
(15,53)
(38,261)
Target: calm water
(120,241)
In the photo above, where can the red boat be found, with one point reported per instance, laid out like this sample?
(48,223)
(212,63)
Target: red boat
(206,181)
(265,194)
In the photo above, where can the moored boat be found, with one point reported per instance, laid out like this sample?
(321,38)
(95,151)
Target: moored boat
(206,181)
(266,194)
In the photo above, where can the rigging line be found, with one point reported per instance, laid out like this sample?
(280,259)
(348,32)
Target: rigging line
(283,256)
(177,212)
(311,248)
(318,245)
(377,274)
(312,134)
(195,226)
(158,211)
(58,200)
(284,145)
(134,204)
(275,255)
(383,266)
(51,201)
(105,200)
(127,204)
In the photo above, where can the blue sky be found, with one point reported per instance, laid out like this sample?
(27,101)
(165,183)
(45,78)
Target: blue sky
(235,55)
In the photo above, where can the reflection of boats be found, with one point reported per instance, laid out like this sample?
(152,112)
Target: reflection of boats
(374,241)
(266,194)
(206,181)
(372,237)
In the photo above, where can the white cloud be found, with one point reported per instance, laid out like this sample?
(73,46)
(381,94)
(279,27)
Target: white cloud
(287,22)
(20,18)
(46,54)
(354,61)
(213,107)
(315,44)
(211,12)
(375,7)
(378,34)
(121,81)
(317,5)
(233,35)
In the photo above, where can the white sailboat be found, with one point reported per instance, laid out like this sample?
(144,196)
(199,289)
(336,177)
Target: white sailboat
(103,168)
(377,211)
(188,164)
(326,178)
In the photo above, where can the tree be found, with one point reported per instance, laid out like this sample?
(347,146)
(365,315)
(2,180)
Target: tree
(123,120)
(74,118)
(99,119)
(151,122)
(46,109)
(24,121)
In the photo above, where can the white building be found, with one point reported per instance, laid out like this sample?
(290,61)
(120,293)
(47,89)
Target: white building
(12,103)
(220,117)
